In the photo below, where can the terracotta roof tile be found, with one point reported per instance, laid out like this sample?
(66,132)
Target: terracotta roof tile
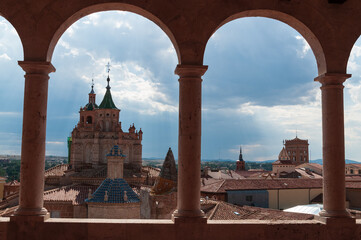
(221,186)
(307,174)
(251,173)
(58,170)
(353,184)
(75,194)
(13,183)
(219,210)
(212,186)
(253,184)
(355,165)
(153,172)
(225,174)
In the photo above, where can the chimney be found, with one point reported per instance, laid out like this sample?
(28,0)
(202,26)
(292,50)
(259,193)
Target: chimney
(115,163)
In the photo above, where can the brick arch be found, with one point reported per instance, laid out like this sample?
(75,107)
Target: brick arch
(107,7)
(296,24)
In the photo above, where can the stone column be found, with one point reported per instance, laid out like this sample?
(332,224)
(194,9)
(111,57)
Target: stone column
(189,140)
(33,138)
(334,192)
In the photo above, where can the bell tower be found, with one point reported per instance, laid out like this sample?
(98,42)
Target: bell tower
(241,166)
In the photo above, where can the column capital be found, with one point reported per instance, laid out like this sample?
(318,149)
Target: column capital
(190,70)
(332,78)
(36,67)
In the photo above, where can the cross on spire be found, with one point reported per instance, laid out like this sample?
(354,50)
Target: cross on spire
(108,70)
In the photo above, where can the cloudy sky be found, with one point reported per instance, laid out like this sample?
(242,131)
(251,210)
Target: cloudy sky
(258,90)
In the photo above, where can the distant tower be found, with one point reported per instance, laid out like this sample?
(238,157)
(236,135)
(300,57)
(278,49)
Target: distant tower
(241,166)
(98,130)
(297,150)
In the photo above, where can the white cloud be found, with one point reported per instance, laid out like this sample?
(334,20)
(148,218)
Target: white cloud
(246,148)
(71,51)
(5,57)
(123,24)
(354,63)
(278,122)
(55,142)
(10,114)
(132,85)
(92,19)
(4,25)
(71,30)
(168,52)
(305,47)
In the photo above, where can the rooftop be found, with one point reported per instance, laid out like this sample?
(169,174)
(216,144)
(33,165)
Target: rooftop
(219,210)
(58,170)
(75,194)
(113,191)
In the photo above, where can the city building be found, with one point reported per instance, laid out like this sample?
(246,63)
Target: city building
(2,183)
(68,201)
(353,169)
(114,198)
(267,193)
(98,130)
(283,166)
(297,150)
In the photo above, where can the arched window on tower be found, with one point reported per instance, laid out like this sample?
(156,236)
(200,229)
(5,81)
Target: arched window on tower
(82,119)
(89,119)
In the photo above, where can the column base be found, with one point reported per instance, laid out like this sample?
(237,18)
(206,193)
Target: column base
(36,212)
(29,218)
(337,221)
(188,216)
(335,214)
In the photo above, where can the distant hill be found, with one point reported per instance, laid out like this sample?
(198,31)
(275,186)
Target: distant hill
(152,158)
(348,161)
(319,161)
(218,160)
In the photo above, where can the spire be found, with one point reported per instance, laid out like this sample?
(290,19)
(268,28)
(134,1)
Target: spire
(91,105)
(240,154)
(92,91)
(167,179)
(283,155)
(108,79)
(108,100)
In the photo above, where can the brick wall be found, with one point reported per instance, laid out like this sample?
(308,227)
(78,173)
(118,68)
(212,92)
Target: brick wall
(114,211)
(65,209)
